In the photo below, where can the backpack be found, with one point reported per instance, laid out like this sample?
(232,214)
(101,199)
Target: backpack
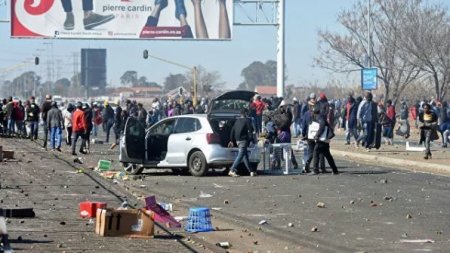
(366,114)
(281,121)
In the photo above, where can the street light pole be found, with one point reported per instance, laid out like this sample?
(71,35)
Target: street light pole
(369,37)
(193,69)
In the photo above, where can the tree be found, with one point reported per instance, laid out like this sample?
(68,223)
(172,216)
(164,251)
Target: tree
(129,78)
(348,52)
(206,80)
(175,81)
(258,73)
(426,41)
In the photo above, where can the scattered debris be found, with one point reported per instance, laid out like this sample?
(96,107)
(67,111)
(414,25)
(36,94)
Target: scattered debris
(321,205)
(205,195)
(62,223)
(417,241)
(218,185)
(225,245)
(216,208)
(352,202)
(373,204)
(262,222)
(405,235)
(314,229)
(290,225)
(408,216)
(226,202)
(388,198)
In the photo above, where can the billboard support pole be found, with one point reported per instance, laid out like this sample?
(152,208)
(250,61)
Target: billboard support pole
(86,85)
(280,48)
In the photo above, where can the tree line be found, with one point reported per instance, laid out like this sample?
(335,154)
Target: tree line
(410,44)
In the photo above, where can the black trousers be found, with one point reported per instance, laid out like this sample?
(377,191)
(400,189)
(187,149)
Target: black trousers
(312,147)
(323,149)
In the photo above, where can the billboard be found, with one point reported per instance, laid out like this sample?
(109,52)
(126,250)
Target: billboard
(369,79)
(93,67)
(122,19)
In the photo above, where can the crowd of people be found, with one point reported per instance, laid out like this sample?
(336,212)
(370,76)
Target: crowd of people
(312,120)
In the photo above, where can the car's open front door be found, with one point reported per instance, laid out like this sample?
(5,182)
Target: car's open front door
(134,135)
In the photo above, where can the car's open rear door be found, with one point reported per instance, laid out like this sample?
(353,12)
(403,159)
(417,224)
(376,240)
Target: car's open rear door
(134,141)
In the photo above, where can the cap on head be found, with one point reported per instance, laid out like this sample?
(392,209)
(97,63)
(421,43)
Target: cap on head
(312,95)
(48,96)
(322,96)
(295,99)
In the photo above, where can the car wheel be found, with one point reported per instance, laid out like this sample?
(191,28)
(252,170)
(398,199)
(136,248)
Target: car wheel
(132,169)
(197,164)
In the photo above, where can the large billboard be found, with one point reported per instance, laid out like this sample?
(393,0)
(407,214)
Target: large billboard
(122,19)
(93,67)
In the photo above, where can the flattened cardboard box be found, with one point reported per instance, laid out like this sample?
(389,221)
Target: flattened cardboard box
(112,222)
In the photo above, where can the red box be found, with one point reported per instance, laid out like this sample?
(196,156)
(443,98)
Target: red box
(88,209)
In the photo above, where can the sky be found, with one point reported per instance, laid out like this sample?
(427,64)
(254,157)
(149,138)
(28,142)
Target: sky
(250,43)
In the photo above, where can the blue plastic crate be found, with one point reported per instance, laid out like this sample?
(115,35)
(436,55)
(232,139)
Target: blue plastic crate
(199,220)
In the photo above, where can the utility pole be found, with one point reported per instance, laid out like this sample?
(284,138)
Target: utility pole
(280,48)
(260,18)
(369,35)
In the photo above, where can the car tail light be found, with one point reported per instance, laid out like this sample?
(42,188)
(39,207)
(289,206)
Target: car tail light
(213,138)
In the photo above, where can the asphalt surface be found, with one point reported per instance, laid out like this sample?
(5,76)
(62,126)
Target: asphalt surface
(367,208)
(49,183)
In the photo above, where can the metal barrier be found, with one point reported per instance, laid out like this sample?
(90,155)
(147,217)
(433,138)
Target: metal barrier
(277,158)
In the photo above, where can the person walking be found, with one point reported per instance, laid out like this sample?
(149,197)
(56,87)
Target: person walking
(404,127)
(55,123)
(259,108)
(428,129)
(296,112)
(241,135)
(33,112)
(108,118)
(79,128)
(322,139)
(46,106)
(67,115)
(368,117)
(350,119)
(89,126)
(444,127)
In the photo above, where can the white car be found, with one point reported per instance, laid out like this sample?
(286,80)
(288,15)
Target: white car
(194,142)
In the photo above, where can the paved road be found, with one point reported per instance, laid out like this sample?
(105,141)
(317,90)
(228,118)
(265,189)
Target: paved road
(367,208)
(48,183)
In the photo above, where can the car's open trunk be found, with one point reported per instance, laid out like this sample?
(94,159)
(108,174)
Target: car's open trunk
(222,126)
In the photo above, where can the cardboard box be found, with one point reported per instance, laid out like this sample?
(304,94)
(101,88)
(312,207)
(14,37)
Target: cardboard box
(8,154)
(133,223)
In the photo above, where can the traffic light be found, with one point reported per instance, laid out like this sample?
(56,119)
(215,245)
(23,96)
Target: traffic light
(36,60)
(145,54)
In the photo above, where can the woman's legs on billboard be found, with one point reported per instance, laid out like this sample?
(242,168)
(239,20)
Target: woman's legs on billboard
(224,24)
(153,19)
(200,27)
(180,14)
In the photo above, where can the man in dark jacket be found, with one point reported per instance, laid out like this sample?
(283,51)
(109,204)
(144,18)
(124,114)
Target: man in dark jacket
(46,106)
(241,134)
(369,117)
(322,147)
(108,119)
(350,119)
(55,123)
(33,118)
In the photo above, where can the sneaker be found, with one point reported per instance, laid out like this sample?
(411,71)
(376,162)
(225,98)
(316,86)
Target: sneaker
(94,20)
(335,172)
(69,24)
(233,174)
(74,154)
(58,149)
(253,174)
(180,9)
